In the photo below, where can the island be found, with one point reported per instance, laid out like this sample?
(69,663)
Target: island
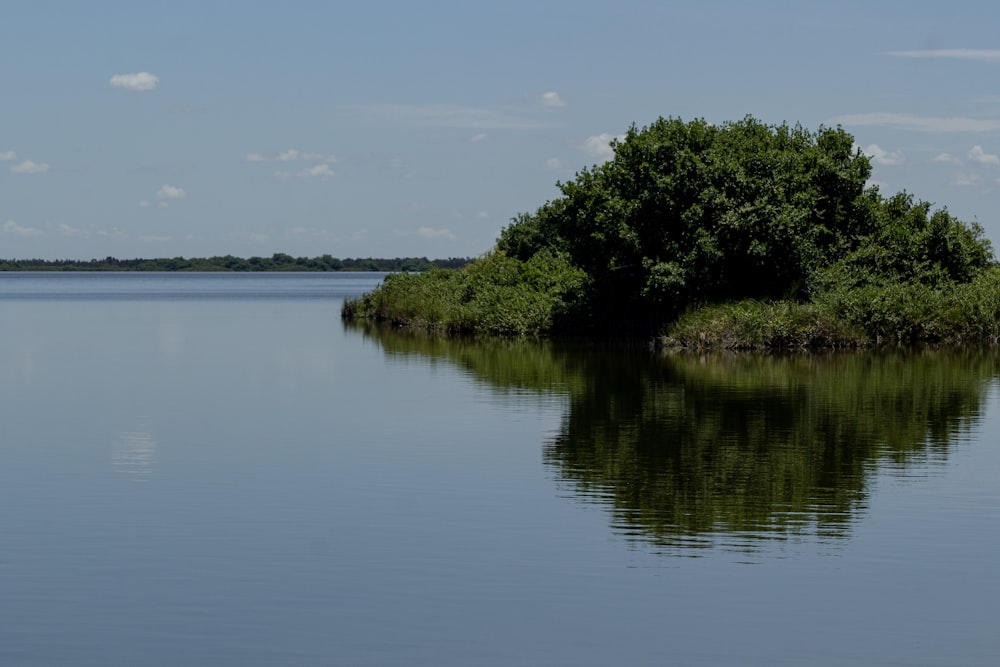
(739,235)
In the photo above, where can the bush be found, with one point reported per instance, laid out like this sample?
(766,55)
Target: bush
(495,295)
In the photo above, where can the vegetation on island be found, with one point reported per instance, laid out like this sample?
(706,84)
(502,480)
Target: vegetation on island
(734,235)
(277,262)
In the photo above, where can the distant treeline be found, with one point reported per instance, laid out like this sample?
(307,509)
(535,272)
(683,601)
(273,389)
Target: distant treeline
(276,262)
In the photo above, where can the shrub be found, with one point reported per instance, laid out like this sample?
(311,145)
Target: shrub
(495,295)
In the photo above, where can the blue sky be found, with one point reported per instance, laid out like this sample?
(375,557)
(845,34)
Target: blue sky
(139,129)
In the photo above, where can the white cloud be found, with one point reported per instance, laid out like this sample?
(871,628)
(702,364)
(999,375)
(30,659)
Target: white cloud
(318,171)
(553,164)
(428,233)
(170,192)
(8,155)
(482,215)
(165,195)
(321,170)
(14,229)
(451,115)
(291,155)
(71,232)
(956,54)
(880,156)
(946,158)
(156,239)
(476,138)
(965,180)
(551,99)
(918,123)
(30,167)
(979,156)
(137,81)
(114,232)
(599,145)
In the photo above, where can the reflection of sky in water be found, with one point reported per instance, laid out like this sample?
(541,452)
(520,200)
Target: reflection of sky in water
(171,340)
(132,453)
(18,365)
(317,501)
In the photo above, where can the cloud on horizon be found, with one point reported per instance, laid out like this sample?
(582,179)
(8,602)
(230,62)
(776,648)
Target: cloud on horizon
(979,156)
(292,155)
(946,158)
(14,229)
(321,171)
(135,82)
(318,171)
(170,192)
(965,180)
(72,232)
(30,167)
(429,233)
(551,99)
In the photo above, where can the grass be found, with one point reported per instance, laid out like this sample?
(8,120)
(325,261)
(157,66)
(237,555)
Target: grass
(752,324)
(896,313)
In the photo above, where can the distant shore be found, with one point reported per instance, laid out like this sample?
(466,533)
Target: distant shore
(276,262)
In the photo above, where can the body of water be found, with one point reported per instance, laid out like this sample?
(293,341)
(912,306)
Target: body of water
(211,469)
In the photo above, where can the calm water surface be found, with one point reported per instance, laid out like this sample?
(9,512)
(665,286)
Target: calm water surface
(210,469)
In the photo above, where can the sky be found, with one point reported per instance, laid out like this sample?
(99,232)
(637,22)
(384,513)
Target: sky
(390,129)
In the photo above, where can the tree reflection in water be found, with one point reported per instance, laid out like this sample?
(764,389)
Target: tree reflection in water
(731,449)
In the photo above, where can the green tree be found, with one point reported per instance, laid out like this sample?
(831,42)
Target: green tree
(690,212)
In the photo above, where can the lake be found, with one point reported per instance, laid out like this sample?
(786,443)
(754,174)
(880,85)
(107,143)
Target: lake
(212,469)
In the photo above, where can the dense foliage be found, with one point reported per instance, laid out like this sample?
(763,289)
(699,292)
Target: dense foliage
(496,295)
(276,262)
(689,214)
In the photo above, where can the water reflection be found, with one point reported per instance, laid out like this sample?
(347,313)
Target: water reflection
(732,451)
(132,453)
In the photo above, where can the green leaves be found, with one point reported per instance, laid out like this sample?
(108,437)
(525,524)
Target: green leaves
(690,212)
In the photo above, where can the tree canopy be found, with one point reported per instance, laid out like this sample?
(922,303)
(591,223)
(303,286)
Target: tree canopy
(689,213)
